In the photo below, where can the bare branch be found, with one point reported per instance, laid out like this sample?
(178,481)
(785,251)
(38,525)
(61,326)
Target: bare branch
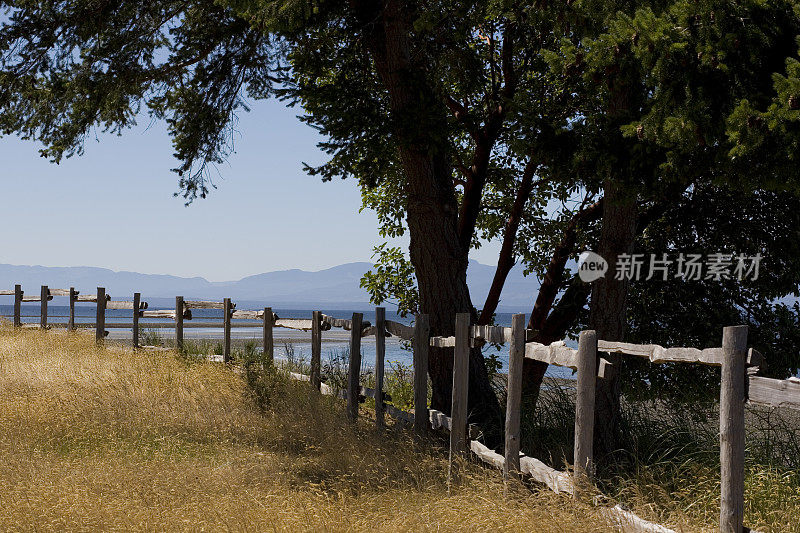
(505,261)
(553,277)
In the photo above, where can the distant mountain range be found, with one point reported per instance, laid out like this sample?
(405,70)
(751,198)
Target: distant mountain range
(336,287)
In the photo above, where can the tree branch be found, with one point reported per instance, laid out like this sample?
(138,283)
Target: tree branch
(552,325)
(166,70)
(505,261)
(565,312)
(553,277)
(455,107)
(485,140)
(507,60)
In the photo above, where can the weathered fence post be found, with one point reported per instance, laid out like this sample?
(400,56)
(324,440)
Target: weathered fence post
(354,370)
(100,322)
(380,354)
(72,297)
(226,327)
(458,407)
(137,297)
(421,345)
(584,407)
(516,359)
(179,323)
(316,348)
(17,306)
(268,354)
(45,295)
(731,428)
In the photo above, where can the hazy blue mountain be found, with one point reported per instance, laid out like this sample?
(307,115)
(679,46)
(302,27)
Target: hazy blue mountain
(331,287)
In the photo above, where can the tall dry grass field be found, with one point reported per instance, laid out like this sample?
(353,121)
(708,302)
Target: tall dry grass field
(107,439)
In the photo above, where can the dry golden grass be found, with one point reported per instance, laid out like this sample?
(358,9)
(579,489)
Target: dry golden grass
(106,439)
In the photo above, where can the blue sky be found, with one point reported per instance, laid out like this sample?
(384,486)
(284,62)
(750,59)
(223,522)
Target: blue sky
(113,207)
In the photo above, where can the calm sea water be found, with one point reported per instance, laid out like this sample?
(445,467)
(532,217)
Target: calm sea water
(334,340)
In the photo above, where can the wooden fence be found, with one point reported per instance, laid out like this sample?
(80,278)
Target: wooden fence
(739,383)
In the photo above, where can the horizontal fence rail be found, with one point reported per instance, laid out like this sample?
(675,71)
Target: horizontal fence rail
(774,392)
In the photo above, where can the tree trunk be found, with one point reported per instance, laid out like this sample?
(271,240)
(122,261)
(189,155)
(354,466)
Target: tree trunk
(440,263)
(437,253)
(553,328)
(608,309)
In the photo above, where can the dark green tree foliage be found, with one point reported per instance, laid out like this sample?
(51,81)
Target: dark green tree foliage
(688,312)
(67,68)
(649,94)
(406,97)
(657,86)
(661,83)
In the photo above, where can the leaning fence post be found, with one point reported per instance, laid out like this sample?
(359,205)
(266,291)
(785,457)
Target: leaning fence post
(45,295)
(179,323)
(268,354)
(354,371)
(421,345)
(731,428)
(100,322)
(17,306)
(316,348)
(458,407)
(380,354)
(72,297)
(226,327)
(514,397)
(137,297)
(584,407)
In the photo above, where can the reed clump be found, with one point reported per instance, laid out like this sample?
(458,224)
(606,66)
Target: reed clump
(667,466)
